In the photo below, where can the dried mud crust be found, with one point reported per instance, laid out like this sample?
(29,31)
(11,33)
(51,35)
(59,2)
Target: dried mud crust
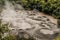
(35,24)
(44,27)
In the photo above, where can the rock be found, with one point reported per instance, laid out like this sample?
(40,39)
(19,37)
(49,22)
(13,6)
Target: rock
(45,31)
(39,27)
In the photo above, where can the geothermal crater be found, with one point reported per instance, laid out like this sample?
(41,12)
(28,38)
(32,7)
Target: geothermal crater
(34,23)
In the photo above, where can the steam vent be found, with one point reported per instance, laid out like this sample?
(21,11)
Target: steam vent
(29,23)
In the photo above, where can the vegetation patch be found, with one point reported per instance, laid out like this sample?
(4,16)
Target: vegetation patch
(50,7)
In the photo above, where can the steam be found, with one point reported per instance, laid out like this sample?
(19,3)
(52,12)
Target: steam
(17,19)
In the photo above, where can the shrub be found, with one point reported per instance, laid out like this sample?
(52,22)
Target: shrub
(3,29)
(51,7)
(58,37)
